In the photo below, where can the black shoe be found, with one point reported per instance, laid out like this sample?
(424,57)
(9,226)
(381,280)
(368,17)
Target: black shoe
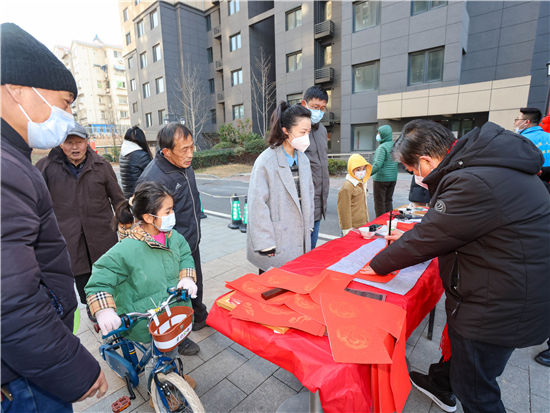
(188,348)
(200,325)
(543,358)
(445,400)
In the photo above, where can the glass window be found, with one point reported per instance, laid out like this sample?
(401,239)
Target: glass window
(125,14)
(99,85)
(146,90)
(326,11)
(162,115)
(422,6)
(128,39)
(236,77)
(137,2)
(363,137)
(81,100)
(154,19)
(143,59)
(77,68)
(366,14)
(120,84)
(148,120)
(426,66)
(135,107)
(365,77)
(238,112)
(140,28)
(294,18)
(213,116)
(235,42)
(116,54)
(294,99)
(160,85)
(326,55)
(79,83)
(210,55)
(130,62)
(156,53)
(102,114)
(208,23)
(212,86)
(123,114)
(133,85)
(293,62)
(123,100)
(234,6)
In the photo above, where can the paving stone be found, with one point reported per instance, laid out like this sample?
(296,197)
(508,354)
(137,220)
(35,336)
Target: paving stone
(190,363)
(91,341)
(289,379)
(459,409)
(205,332)
(520,358)
(237,257)
(408,350)
(144,408)
(417,402)
(539,404)
(252,373)
(223,397)
(417,333)
(232,275)
(216,267)
(242,350)
(539,378)
(216,369)
(276,392)
(104,405)
(213,345)
(425,353)
(514,387)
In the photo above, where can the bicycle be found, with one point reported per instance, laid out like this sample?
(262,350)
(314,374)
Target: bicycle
(168,326)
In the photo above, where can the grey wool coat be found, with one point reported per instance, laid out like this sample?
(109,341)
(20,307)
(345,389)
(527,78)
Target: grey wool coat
(275,216)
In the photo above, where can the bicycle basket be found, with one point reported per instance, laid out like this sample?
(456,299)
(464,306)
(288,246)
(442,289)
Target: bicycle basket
(173,326)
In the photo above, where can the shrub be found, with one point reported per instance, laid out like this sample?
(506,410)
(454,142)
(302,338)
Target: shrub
(108,157)
(212,157)
(239,151)
(336,166)
(256,146)
(224,145)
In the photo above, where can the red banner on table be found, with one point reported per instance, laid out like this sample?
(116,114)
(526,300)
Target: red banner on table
(302,303)
(248,286)
(333,283)
(301,284)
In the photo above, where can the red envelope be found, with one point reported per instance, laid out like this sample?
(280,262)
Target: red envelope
(301,284)
(248,286)
(302,303)
(334,283)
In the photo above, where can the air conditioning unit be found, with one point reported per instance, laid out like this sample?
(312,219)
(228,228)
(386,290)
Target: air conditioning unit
(120,60)
(107,90)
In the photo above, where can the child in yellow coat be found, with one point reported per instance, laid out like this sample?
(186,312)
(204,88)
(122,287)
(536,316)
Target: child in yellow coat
(353,211)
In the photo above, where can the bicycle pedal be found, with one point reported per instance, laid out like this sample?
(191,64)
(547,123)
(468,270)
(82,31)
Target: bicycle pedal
(121,404)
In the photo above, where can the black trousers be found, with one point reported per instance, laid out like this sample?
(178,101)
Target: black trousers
(472,373)
(81,281)
(198,307)
(383,197)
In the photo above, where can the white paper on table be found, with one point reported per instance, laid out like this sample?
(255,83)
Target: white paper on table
(359,258)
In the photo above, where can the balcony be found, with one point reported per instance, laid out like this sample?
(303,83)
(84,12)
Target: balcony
(324,29)
(329,118)
(324,75)
(220,97)
(217,32)
(219,64)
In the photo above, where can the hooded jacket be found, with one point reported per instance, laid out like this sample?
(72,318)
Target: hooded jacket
(489,224)
(133,161)
(353,211)
(384,168)
(317,153)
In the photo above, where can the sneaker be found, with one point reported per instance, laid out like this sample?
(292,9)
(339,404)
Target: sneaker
(543,358)
(445,400)
(199,326)
(188,348)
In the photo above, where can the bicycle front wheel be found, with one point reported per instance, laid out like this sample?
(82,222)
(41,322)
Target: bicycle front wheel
(182,397)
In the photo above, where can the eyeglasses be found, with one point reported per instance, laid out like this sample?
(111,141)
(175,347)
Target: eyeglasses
(519,119)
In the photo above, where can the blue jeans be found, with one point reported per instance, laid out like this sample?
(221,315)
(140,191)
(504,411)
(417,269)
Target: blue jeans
(315,233)
(29,398)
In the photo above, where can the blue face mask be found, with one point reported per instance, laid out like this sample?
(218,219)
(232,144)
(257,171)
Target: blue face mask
(378,138)
(316,115)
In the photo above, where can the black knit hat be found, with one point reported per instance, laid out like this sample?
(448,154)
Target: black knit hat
(27,62)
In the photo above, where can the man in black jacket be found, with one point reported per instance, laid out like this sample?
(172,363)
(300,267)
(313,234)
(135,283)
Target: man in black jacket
(44,366)
(492,243)
(172,168)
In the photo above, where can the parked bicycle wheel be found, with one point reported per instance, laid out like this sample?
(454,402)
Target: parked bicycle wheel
(182,397)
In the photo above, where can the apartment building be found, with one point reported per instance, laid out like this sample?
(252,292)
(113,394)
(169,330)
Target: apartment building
(100,74)
(455,62)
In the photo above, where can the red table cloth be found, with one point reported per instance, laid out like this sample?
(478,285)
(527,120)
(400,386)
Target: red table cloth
(342,387)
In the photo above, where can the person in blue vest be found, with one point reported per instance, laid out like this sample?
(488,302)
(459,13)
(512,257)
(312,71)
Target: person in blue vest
(527,124)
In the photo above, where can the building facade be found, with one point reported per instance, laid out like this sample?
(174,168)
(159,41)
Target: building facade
(455,62)
(100,74)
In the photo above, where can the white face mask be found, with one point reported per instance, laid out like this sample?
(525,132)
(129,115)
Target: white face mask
(518,130)
(419,180)
(167,223)
(378,138)
(53,131)
(301,143)
(360,175)
(316,115)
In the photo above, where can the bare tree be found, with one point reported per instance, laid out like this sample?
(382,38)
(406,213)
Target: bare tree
(263,91)
(111,118)
(191,97)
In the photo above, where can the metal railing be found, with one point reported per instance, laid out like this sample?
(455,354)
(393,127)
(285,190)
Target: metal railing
(323,29)
(326,74)
(217,31)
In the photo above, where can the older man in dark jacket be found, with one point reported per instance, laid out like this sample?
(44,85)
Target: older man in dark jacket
(44,366)
(84,191)
(493,249)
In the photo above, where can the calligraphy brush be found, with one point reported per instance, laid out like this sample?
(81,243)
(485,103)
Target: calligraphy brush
(389,228)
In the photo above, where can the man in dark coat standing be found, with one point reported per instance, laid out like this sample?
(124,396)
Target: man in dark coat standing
(85,192)
(493,253)
(44,366)
(316,100)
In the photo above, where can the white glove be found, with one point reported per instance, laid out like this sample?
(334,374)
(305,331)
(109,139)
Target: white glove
(345,231)
(187,284)
(107,320)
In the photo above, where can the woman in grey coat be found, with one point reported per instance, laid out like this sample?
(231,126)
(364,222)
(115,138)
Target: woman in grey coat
(280,195)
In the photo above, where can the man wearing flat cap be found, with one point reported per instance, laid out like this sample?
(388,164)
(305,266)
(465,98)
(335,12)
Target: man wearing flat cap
(44,366)
(85,192)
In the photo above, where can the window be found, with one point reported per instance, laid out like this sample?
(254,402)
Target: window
(156,53)
(128,39)
(426,66)
(143,59)
(81,100)
(363,137)
(212,86)
(122,100)
(130,62)
(293,18)
(146,90)
(418,7)
(135,107)
(132,85)
(162,115)
(159,83)
(294,99)
(125,14)
(210,55)
(117,54)
(120,84)
(326,55)
(326,10)
(137,2)
(123,114)
(366,14)
(234,6)
(236,77)
(235,42)
(99,85)
(102,114)
(75,52)
(208,23)
(79,84)
(140,28)
(365,77)
(154,19)
(99,99)
(119,72)
(77,68)
(148,120)
(213,116)
(238,112)
(293,62)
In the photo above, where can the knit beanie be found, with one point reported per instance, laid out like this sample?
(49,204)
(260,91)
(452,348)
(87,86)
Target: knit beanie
(27,62)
